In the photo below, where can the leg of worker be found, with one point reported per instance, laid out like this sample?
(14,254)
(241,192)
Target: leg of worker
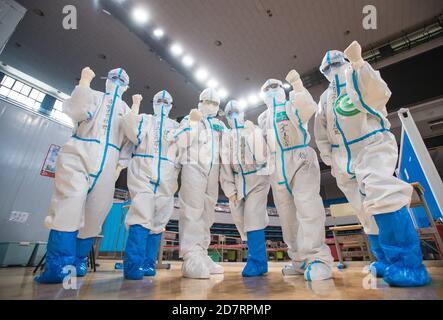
(284,202)
(191,223)
(211,198)
(355,197)
(164,205)
(311,217)
(237,212)
(65,218)
(98,204)
(387,198)
(256,220)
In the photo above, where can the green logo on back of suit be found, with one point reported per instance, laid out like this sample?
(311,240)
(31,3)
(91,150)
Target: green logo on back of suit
(345,107)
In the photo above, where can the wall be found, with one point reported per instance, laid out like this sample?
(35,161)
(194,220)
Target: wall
(25,138)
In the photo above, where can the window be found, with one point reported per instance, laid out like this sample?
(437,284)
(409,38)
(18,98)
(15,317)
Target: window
(30,97)
(20,92)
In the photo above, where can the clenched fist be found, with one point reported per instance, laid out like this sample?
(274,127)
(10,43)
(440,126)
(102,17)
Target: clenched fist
(86,77)
(353,53)
(136,100)
(294,79)
(195,115)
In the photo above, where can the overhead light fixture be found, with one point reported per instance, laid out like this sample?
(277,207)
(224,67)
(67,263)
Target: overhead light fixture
(176,49)
(201,74)
(223,93)
(158,33)
(188,61)
(140,15)
(243,103)
(253,99)
(286,86)
(213,83)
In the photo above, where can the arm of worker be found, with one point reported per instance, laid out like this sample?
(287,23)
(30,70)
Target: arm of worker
(321,132)
(187,131)
(84,101)
(365,86)
(256,143)
(135,126)
(301,106)
(227,178)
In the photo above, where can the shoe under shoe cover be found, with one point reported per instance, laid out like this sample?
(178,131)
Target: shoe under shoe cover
(399,275)
(295,268)
(195,267)
(213,267)
(318,271)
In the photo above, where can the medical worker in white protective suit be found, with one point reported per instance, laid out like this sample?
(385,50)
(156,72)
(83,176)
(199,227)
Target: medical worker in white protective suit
(87,167)
(352,134)
(199,185)
(245,182)
(295,180)
(152,183)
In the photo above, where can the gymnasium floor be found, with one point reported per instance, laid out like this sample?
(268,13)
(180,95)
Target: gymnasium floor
(107,283)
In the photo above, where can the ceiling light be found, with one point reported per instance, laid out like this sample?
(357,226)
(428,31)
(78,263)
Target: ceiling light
(188,61)
(253,99)
(223,93)
(213,83)
(201,74)
(176,49)
(140,15)
(158,33)
(286,86)
(243,103)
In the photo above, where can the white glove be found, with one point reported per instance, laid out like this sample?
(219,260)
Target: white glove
(353,53)
(136,100)
(294,79)
(195,115)
(86,77)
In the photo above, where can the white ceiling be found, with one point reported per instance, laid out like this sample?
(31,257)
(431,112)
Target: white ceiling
(255,46)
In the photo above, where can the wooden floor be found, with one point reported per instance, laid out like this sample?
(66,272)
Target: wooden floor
(107,283)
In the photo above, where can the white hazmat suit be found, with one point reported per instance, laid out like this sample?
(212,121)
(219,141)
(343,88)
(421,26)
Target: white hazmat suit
(296,179)
(199,190)
(153,171)
(243,175)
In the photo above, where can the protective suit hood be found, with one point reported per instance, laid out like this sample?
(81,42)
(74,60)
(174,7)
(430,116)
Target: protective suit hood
(334,63)
(272,92)
(162,103)
(234,114)
(209,103)
(117,79)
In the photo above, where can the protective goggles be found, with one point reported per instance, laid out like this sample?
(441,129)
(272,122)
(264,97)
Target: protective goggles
(209,102)
(272,86)
(232,114)
(329,67)
(118,81)
(163,101)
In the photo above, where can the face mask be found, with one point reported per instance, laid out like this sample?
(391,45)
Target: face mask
(274,95)
(111,86)
(208,108)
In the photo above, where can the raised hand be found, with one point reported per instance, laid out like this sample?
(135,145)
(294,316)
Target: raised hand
(353,53)
(136,101)
(294,79)
(195,115)
(86,77)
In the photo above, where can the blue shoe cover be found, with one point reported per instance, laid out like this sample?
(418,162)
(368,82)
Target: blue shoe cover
(135,253)
(401,247)
(84,246)
(60,253)
(377,267)
(257,264)
(152,247)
